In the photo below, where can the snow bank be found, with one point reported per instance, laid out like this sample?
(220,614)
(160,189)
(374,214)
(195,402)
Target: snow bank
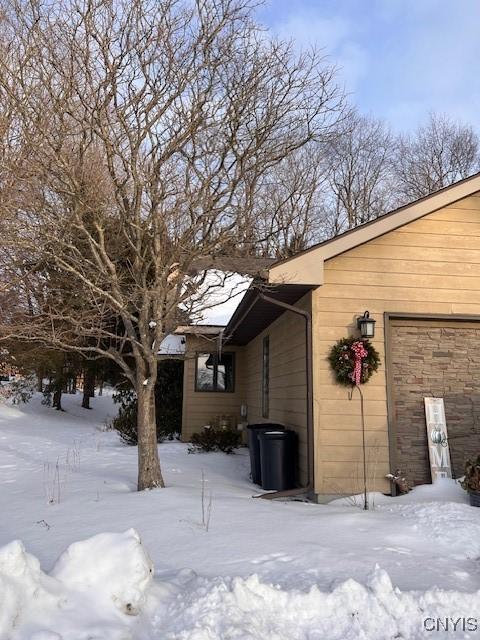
(102,588)
(449,524)
(96,587)
(248,609)
(20,582)
(115,566)
(442,490)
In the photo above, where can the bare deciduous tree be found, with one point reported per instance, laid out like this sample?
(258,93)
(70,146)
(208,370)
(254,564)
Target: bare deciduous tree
(144,129)
(288,207)
(358,173)
(440,152)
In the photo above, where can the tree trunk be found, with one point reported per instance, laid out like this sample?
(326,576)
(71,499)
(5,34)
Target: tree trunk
(57,398)
(149,473)
(88,387)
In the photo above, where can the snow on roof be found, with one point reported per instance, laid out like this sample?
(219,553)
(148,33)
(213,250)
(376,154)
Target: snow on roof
(223,293)
(172,345)
(200,329)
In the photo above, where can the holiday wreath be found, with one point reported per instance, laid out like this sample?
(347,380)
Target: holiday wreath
(353,361)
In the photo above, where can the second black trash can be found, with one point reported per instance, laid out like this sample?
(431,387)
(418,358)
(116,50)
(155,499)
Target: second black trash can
(278,456)
(253,431)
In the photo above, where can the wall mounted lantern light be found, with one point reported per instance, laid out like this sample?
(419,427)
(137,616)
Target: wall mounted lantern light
(366,325)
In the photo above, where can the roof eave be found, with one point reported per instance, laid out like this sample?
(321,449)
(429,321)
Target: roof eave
(254,314)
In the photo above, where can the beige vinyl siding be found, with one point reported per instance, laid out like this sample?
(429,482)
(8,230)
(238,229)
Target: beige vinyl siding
(287,393)
(288,390)
(429,266)
(203,407)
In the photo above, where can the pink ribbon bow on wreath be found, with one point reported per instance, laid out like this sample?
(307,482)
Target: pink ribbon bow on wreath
(359,352)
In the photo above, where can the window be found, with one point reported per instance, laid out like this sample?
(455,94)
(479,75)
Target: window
(266,376)
(214,372)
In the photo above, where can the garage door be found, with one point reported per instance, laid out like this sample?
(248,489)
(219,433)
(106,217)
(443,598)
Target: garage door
(434,359)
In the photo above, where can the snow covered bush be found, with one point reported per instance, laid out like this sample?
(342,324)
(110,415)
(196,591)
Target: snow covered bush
(211,439)
(20,390)
(47,397)
(4,391)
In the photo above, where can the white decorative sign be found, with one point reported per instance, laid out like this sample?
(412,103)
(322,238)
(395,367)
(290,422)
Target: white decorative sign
(437,437)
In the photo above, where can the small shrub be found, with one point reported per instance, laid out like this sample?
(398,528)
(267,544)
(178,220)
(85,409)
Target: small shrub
(399,480)
(228,440)
(125,423)
(206,440)
(211,439)
(471,481)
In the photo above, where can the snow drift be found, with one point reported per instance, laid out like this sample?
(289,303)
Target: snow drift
(92,591)
(102,588)
(114,566)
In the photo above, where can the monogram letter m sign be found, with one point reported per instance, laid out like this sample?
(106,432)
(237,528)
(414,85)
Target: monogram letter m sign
(437,438)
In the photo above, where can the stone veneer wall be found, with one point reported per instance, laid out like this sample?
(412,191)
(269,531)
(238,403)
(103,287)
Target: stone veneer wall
(442,361)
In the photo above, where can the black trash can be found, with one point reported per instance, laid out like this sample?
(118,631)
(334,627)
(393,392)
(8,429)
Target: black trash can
(278,457)
(253,431)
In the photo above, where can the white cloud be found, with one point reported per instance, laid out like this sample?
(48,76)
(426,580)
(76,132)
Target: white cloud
(334,36)
(429,62)
(398,59)
(308,29)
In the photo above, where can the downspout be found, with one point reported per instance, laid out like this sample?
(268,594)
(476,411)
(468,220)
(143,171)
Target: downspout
(310,488)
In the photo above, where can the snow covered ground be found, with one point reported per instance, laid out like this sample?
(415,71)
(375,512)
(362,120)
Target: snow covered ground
(262,571)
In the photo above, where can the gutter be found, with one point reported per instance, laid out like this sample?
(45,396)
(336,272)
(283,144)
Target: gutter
(307,316)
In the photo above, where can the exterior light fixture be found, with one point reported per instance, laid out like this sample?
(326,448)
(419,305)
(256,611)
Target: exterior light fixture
(366,325)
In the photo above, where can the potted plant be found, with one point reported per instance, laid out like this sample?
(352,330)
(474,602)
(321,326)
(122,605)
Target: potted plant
(471,481)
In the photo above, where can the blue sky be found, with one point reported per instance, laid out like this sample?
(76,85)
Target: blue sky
(398,59)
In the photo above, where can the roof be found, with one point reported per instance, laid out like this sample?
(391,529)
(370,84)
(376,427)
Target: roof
(200,329)
(254,314)
(306,267)
(254,266)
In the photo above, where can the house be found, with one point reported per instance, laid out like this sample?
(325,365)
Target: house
(417,271)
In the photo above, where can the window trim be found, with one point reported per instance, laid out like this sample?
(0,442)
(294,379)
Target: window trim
(215,372)
(266,376)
